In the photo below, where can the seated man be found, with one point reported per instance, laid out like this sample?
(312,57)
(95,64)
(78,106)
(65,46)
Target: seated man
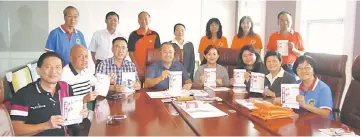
(157,73)
(36,108)
(77,75)
(117,65)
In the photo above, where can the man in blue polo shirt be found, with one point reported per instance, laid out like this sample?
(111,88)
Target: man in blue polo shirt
(157,73)
(63,38)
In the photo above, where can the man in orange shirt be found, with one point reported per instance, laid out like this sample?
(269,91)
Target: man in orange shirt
(140,40)
(214,36)
(295,42)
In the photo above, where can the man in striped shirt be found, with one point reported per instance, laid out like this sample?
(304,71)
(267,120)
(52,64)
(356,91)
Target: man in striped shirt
(77,75)
(117,66)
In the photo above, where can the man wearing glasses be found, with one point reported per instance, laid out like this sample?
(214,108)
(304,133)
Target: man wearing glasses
(63,38)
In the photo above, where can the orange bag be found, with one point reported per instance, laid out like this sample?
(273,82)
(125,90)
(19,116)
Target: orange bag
(269,111)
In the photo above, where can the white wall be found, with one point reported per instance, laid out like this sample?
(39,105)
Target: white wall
(194,14)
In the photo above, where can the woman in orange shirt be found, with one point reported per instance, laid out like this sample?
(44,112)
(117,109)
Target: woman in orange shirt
(246,35)
(214,36)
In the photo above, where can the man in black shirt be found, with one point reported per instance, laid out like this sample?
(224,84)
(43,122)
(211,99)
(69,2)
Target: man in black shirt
(36,108)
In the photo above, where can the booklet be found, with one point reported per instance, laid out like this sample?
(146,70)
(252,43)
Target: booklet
(71,108)
(289,93)
(175,80)
(282,47)
(102,84)
(210,77)
(257,82)
(128,80)
(199,109)
(238,76)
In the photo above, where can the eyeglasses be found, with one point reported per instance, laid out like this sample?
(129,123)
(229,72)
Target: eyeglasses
(307,68)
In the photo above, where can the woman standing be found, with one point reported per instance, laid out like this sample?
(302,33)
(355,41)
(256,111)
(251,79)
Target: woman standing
(214,36)
(246,35)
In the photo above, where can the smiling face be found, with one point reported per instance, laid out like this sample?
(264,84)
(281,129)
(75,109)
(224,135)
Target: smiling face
(273,64)
(120,49)
(214,27)
(112,22)
(285,21)
(51,70)
(305,71)
(144,20)
(248,57)
(212,56)
(246,25)
(167,52)
(179,32)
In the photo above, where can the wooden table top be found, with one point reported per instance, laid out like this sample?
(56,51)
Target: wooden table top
(145,117)
(152,117)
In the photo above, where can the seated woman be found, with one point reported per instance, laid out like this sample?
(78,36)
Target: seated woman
(315,95)
(211,55)
(277,75)
(250,60)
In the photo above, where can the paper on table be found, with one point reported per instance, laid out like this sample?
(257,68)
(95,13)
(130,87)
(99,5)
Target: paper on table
(175,80)
(128,80)
(238,76)
(282,47)
(257,82)
(337,132)
(246,103)
(289,93)
(204,110)
(210,77)
(71,108)
(239,90)
(102,84)
(157,94)
(219,88)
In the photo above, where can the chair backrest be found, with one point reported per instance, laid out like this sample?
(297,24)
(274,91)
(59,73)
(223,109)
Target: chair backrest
(154,55)
(21,78)
(6,128)
(350,114)
(228,58)
(331,70)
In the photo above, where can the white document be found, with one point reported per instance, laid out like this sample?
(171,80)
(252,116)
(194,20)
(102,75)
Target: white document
(337,132)
(9,76)
(175,80)
(201,110)
(210,77)
(289,93)
(246,103)
(71,108)
(219,88)
(157,94)
(282,47)
(102,84)
(257,82)
(238,76)
(249,103)
(128,80)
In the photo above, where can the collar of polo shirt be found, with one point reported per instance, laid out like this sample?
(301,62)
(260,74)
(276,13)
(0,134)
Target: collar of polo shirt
(73,70)
(41,90)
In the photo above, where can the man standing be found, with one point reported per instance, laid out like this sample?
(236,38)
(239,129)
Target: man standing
(157,73)
(61,39)
(117,66)
(101,43)
(36,108)
(140,40)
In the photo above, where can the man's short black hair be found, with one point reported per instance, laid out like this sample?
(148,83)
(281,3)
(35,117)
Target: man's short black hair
(272,53)
(112,13)
(47,55)
(119,38)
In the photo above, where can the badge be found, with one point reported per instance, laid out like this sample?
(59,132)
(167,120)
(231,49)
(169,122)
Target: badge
(253,42)
(150,41)
(77,41)
(220,44)
(311,102)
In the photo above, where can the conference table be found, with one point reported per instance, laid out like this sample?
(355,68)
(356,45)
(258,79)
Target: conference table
(151,117)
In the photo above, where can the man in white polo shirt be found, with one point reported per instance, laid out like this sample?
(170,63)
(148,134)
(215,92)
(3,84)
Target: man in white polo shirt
(101,43)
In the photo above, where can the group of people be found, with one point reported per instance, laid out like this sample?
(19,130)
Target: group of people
(63,68)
